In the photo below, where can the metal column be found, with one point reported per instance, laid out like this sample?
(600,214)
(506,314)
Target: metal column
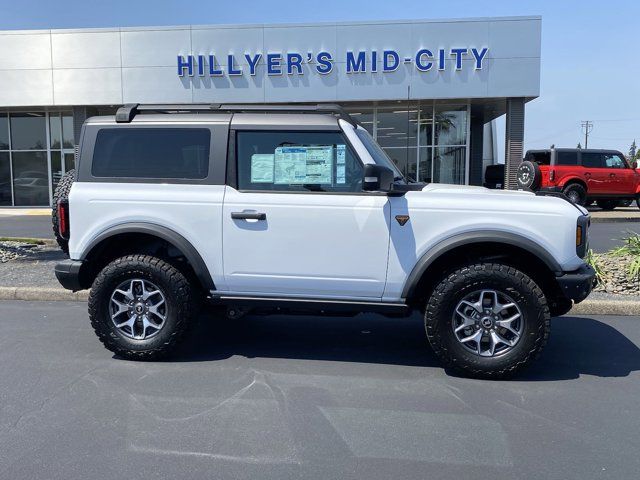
(514,141)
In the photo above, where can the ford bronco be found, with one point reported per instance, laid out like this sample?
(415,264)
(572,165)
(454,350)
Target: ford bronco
(297,209)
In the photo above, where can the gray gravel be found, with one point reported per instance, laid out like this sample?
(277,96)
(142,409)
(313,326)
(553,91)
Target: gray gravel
(26,265)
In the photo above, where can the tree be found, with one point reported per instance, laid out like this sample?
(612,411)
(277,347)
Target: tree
(579,146)
(633,150)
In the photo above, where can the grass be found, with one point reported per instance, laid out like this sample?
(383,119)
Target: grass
(32,241)
(594,260)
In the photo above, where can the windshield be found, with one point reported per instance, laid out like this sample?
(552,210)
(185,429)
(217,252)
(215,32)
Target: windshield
(379,156)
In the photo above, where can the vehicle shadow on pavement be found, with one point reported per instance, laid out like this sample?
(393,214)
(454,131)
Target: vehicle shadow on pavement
(577,346)
(584,346)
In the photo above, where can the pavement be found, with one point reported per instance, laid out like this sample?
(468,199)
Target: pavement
(626,214)
(604,237)
(305,397)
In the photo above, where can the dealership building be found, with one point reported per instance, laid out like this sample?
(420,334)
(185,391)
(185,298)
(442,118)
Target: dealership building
(427,90)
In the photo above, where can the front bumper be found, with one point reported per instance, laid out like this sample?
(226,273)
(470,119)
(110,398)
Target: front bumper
(577,285)
(68,274)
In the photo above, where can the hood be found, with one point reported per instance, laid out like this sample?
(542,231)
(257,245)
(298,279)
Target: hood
(472,190)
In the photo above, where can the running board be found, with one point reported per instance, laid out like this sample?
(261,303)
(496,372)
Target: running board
(315,304)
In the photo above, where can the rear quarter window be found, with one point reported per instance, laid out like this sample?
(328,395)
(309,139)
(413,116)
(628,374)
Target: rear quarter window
(566,158)
(154,153)
(541,158)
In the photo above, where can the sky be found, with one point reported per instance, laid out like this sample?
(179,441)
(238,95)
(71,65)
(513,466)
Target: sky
(590,49)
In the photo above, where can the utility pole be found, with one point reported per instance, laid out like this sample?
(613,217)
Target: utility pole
(587,126)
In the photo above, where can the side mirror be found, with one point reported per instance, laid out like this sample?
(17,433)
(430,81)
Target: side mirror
(634,165)
(377,178)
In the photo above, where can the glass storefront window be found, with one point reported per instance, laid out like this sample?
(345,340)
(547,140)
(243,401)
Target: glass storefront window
(30,178)
(451,125)
(56,169)
(405,159)
(28,131)
(69,161)
(55,131)
(67,131)
(425,164)
(449,165)
(397,126)
(426,125)
(5,179)
(4,132)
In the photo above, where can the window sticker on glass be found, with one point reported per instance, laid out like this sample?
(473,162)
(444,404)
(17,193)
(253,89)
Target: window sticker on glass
(340,154)
(303,165)
(340,174)
(262,168)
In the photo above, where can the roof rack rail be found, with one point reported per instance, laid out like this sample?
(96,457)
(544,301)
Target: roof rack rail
(127,112)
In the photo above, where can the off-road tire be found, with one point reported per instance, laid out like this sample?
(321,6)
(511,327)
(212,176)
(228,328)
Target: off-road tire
(638,201)
(61,193)
(607,204)
(179,294)
(440,307)
(576,193)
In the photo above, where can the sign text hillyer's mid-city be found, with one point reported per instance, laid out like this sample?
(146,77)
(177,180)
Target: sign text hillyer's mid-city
(292,63)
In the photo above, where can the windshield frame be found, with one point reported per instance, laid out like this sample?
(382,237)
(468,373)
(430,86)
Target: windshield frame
(378,155)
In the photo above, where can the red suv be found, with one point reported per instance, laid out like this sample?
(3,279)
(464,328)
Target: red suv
(582,175)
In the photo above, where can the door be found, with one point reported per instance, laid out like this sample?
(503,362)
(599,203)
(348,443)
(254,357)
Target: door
(597,179)
(622,177)
(297,222)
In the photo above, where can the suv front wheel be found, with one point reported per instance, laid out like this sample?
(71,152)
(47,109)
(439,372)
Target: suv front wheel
(487,320)
(141,306)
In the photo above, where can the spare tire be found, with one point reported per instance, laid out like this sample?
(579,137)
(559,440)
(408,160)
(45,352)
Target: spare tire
(61,193)
(529,175)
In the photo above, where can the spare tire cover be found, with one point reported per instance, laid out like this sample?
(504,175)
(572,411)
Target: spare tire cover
(529,175)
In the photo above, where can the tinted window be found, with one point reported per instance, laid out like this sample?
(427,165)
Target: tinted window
(591,160)
(152,153)
(541,158)
(613,161)
(297,161)
(566,158)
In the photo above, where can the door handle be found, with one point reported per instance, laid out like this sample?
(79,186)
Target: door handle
(248,216)
(612,175)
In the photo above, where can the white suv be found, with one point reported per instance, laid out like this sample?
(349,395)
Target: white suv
(297,209)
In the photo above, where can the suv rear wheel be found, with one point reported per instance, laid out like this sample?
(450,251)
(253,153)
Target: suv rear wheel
(576,193)
(487,320)
(141,306)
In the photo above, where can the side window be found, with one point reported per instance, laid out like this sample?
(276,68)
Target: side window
(297,161)
(154,153)
(591,160)
(613,161)
(566,158)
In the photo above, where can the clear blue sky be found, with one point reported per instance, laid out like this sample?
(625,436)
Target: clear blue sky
(590,49)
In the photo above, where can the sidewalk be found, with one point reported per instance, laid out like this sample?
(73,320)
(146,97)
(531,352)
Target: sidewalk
(627,214)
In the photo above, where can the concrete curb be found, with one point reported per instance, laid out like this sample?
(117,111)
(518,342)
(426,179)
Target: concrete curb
(42,294)
(614,219)
(619,306)
(608,307)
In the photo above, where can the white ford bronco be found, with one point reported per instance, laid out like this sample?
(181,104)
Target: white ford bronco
(296,209)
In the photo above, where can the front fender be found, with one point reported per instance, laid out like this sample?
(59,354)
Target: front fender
(469,238)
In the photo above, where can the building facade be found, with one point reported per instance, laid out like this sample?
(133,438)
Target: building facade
(424,89)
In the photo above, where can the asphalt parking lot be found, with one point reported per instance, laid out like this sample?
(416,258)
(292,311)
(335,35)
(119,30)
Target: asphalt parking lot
(310,397)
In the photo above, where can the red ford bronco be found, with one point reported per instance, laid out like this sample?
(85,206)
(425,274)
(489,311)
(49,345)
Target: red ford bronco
(583,175)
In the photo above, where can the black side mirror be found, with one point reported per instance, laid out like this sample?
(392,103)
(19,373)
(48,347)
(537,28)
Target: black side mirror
(377,178)
(634,165)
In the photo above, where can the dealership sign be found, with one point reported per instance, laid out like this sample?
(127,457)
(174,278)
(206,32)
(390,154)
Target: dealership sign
(291,63)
